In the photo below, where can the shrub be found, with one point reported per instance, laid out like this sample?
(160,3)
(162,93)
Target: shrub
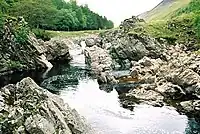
(41,34)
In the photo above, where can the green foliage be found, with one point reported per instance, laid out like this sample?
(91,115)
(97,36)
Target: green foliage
(182,27)
(41,34)
(10,64)
(14,65)
(21,31)
(58,15)
(192,7)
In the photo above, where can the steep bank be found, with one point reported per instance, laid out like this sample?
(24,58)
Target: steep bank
(28,108)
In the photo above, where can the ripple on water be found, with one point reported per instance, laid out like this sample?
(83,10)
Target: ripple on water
(103,112)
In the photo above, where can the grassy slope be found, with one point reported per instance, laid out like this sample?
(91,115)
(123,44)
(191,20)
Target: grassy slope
(164,10)
(174,20)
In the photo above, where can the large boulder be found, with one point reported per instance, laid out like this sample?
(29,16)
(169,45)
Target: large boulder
(27,108)
(125,48)
(58,49)
(100,62)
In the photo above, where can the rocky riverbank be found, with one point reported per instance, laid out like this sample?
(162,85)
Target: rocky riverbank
(28,108)
(165,74)
(24,52)
(175,80)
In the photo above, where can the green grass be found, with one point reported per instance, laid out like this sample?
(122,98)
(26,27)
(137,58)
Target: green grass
(74,33)
(177,21)
(178,29)
(165,11)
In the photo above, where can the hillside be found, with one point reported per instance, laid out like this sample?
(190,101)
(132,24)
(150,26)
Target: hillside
(164,10)
(177,21)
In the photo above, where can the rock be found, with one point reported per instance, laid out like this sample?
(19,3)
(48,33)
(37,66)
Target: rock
(30,53)
(58,49)
(145,61)
(171,91)
(130,23)
(90,42)
(125,47)
(186,78)
(28,108)
(143,94)
(101,63)
(16,54)
(134,73)
(191,107)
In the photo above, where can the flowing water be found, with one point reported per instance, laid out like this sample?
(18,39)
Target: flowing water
(75,84)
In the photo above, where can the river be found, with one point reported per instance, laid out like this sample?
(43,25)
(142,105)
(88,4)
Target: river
(78,87)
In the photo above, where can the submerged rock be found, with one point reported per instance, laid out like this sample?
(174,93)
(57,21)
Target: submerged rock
(27,108)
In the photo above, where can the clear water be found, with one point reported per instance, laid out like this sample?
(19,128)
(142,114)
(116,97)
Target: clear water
(103,110)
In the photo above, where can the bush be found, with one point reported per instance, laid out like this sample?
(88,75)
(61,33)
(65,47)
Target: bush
(21,31)
(41,34)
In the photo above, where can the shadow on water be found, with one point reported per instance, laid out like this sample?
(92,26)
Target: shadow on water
(18,76)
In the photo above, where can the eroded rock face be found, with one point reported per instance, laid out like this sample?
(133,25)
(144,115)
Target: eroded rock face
(27,108)
(125,48)
(24,52)
(100,62)
(164,81)
(18,52)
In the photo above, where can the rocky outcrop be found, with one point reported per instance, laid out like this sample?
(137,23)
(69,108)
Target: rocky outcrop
(17,48)
(125,48)
(100,62)
(29,109)
(57,49)
(20,50)
(162,82)
(130,23)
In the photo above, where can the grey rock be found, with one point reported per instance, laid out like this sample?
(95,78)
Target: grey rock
(90,42)
(171,91)
(32,109)
(101,63)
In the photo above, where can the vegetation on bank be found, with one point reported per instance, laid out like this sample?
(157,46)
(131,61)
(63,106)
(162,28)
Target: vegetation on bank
(182,27)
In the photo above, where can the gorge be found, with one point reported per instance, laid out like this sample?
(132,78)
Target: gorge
(143,77)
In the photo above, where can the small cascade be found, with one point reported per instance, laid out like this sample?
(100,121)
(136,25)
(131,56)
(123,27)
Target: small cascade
(44,60)
(78,58)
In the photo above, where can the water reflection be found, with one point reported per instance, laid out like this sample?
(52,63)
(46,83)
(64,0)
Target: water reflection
(102,109)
